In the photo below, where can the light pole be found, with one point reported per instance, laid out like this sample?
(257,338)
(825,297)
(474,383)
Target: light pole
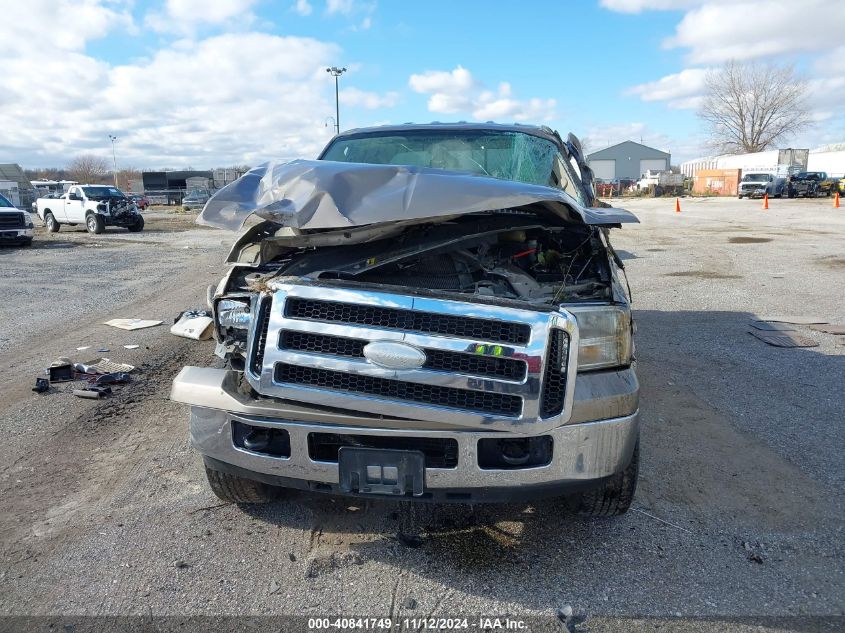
(336,72)
(114,159)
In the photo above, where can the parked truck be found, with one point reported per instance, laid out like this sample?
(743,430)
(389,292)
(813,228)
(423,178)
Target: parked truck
(426,312)
(758,184)
(16,225)
(810,184)
(660,183)
(95,206)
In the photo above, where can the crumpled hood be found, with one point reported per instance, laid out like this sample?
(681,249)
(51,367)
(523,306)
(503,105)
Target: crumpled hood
(317,194)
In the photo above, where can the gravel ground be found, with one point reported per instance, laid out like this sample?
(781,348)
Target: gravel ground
(104,509)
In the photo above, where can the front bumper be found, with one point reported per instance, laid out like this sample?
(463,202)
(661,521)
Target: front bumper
(8,236)
(599,444)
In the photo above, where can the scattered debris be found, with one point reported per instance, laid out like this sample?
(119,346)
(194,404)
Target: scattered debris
(773,327)
(797,320)
(132,324)
(410,603)
(829,329)
(784,339)
(115,378)
(42,385)
(93,392)
(105,366)
(131,346)
(84,347)
(274,587)
(103,350)
(193,324)
(292,557)
(60,371)
(180,564)
(754,557)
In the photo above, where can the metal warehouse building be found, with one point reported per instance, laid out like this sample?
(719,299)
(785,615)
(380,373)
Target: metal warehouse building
(627,160)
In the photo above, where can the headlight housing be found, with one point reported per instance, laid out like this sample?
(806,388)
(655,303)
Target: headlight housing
(235,314)
(604,337)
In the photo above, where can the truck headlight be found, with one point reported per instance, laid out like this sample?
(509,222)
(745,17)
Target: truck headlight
(604,337)
(234,314)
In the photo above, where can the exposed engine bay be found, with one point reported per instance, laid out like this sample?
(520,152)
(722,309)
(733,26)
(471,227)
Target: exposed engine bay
(509,255)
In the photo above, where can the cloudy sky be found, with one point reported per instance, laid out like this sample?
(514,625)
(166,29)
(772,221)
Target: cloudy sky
(205,83)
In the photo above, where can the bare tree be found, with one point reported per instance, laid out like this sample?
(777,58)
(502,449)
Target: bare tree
(125,176)
(749,107)
(87,168)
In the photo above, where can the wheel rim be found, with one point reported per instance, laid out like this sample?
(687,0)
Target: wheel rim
(91,223)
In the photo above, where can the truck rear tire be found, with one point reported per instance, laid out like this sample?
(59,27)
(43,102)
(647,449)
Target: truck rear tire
(614,496)
(50,223)
(233,489)
(95,223)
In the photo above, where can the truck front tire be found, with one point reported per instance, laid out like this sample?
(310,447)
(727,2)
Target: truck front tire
(233,489)
(95,223)
(614,496)
(138,226)
(50,223)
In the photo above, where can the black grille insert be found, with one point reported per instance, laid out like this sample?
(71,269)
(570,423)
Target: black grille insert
(438,452)
(263,319)
(450,397)
(11,220)
(408,320)
(554,378)
(436,359)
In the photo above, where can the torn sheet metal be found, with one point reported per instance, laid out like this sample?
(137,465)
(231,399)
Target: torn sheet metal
(310,194)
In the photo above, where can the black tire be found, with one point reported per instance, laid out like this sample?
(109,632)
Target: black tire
(26,243)
(614,496)
(233,489)
(94,223)
(740,197)
(138,226)
(50,223)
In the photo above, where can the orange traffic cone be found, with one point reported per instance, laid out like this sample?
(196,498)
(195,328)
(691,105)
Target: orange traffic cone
(765,201)
(677,205)
(836,201)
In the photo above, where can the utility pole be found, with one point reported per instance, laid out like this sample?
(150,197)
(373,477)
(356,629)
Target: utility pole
(336,72)
(114,159)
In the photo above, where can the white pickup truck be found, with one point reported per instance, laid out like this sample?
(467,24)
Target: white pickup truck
(97,206)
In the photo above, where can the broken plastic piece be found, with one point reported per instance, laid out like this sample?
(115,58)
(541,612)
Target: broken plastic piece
(60,373)
(114,378)
(41,385)
(105,366)
(193,324)
(93,393)
(132,324)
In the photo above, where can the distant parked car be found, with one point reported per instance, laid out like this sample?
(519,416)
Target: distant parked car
(194,200)
(141,201)
(16,226)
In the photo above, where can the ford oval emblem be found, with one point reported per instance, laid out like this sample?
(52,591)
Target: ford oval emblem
(392,355)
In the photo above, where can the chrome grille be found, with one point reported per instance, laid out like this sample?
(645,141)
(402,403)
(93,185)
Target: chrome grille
(436,359)
(424,322)
(307,344)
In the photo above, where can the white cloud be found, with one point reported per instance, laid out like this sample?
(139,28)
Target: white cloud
(370,100)
(679,90)
(637,6)
(340,6)
(716,32)
(232,98)
(303,7)
(184,16)
(457,91)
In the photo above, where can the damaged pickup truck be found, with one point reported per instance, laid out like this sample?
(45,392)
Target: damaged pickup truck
(427,312)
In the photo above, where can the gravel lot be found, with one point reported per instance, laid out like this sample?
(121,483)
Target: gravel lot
(104,509)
